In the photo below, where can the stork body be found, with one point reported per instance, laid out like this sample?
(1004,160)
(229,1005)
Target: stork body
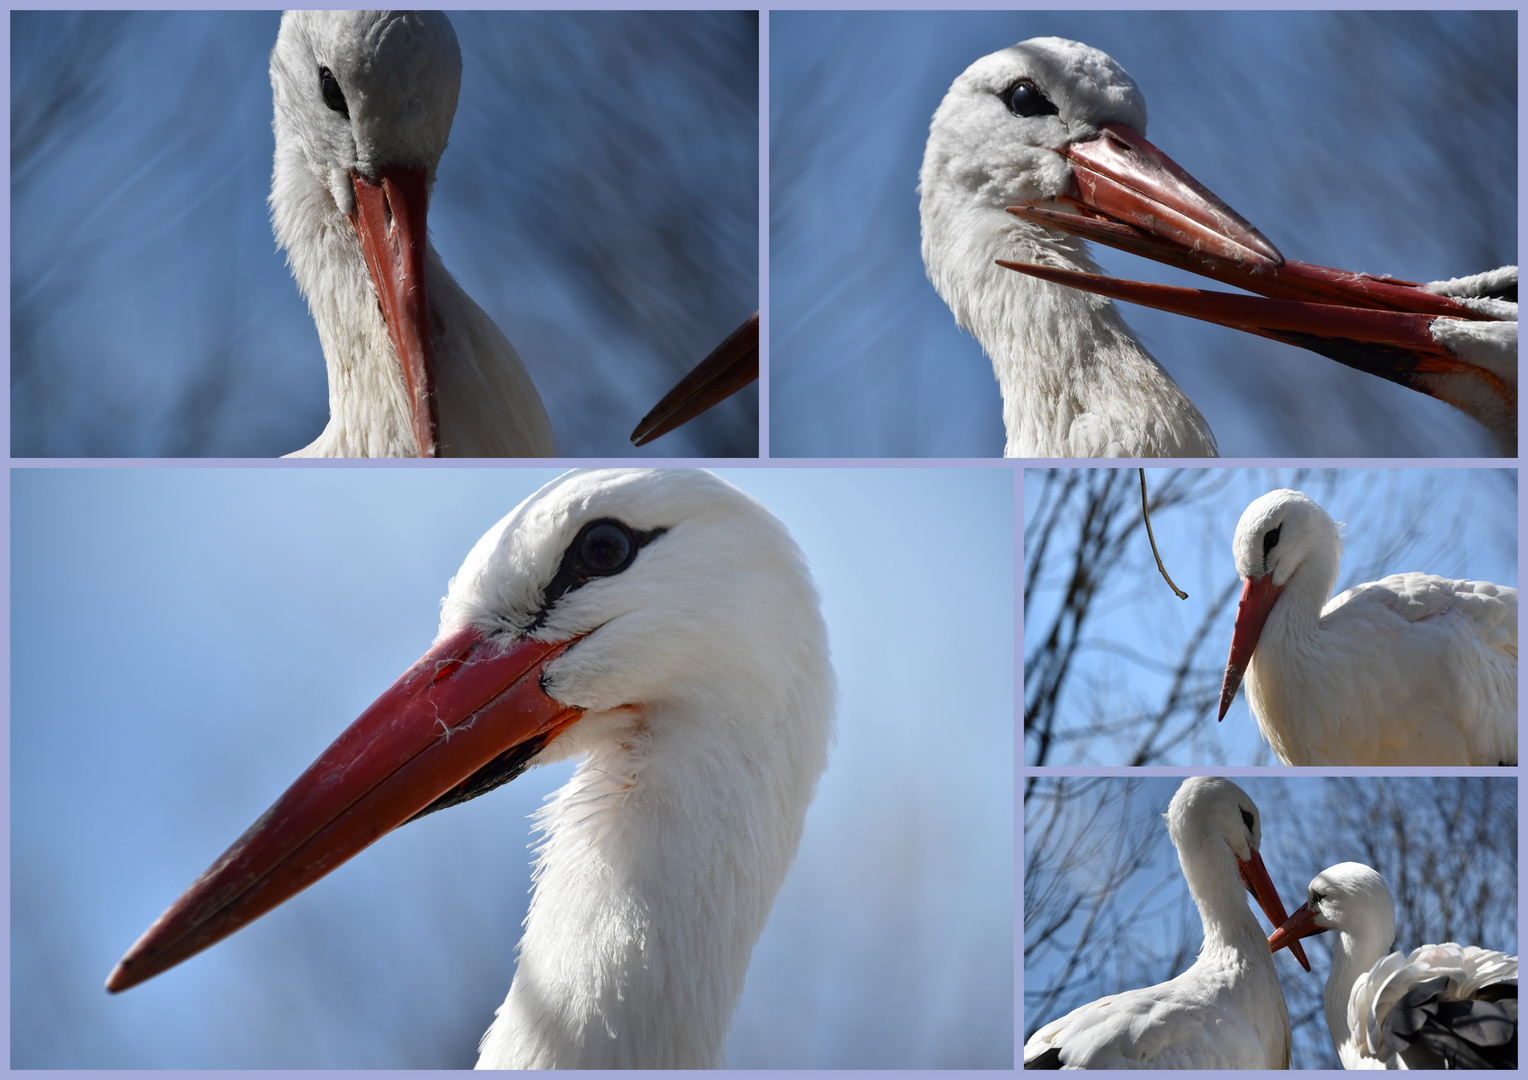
(660,624)
(1227,1011)
(1442,1006)
(1076,382)
(1412,669)
(363,107)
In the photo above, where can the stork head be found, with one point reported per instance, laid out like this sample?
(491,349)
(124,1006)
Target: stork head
(1277,534)
(1215,825)
(364,102)
(1050,121)
(663,609)
(1350,898)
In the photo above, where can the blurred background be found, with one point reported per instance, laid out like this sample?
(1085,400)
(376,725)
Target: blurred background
(1119,671)
(221,627)
(599,199)
(1376,141)
(1106,908)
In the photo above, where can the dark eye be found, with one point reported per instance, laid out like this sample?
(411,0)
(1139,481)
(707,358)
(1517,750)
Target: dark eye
(1023,98)
(1247,818)
(1270,539)
(605,547)
(333,96)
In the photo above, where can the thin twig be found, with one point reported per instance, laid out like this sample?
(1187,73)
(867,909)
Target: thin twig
(1147,515)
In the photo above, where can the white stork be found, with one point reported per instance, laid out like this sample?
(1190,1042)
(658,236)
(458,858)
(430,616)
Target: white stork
(1412,669)
(364,102)
(661,624)
(1226,1011)
(1442,1007)
(1050,123)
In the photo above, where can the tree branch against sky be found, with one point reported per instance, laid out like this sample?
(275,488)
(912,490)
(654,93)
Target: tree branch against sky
(1118,671)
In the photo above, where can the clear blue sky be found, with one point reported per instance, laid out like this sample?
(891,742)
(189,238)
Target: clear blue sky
(1377,141)
(599,199)
(186,642)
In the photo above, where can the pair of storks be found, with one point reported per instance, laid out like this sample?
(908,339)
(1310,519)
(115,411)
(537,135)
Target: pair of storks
(1047,131)
(1441,1006)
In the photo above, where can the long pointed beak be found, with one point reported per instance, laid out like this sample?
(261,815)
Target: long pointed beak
(1120,177)
(464,718)
(1289,932)
(731,366)
(1255,874)
(390,220)
(1257,599)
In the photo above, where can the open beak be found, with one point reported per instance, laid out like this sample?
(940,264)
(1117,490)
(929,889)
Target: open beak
(1257,599)
(1133,197)
(731,366)
(1301,924)
(389,218)
(466,717)
(1255,874)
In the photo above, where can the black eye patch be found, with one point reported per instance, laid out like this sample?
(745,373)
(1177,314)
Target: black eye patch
(1247,818)
(604,547)
(1270,540)
(1023,98)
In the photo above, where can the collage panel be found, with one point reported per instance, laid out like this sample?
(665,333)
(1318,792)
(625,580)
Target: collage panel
(613,240)
(932,172)
(719,622)
(1390,905)
(1333,617)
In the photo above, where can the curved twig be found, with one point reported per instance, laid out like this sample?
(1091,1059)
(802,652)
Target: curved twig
(1147,515)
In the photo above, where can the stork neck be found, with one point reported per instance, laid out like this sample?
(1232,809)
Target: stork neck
(1353,954)
(658,869)
(1076,382)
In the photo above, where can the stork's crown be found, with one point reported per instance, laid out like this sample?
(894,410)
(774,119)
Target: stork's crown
(1278,531)
(398,74)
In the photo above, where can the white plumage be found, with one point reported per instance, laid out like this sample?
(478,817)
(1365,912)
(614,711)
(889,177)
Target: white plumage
(1441,1006)
(1412,669)
(1076,382)
(1226,1011)
(664,626)
(368,96)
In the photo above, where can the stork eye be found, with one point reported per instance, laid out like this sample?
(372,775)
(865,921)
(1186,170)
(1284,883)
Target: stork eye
(1023,98)
(1270,539)
(1247,818)
(603,548)
(606,547)
(334,97)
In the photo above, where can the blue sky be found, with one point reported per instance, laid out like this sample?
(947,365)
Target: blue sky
(599,199)
(1377,141)
(1458,523)
(223,626)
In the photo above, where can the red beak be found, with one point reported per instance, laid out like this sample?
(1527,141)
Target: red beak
(1120,176)
(731,366)
(390,220)
(1257,599)
(466,717)
(1255,874)
(1301,924)
(1133,197)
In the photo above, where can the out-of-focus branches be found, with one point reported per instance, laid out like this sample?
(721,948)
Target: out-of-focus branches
(1106,908)
(1084,839)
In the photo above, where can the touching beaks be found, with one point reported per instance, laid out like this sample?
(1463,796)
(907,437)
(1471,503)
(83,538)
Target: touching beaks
(389,218)
(731,366)
(1289,931)
(1260,885)
(468,716)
